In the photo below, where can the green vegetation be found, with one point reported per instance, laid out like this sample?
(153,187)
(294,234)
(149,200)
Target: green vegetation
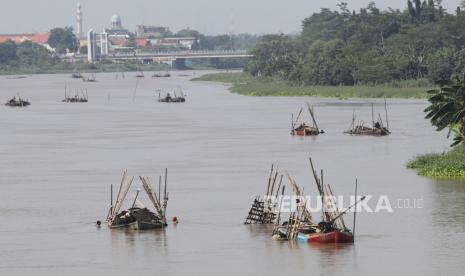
(63,40)
(450,164)
(245,84)
(369,46)
(59,67)
(447,110)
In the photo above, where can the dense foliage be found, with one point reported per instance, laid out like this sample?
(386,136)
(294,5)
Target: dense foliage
(26,53)
(369,46)
(63,40)
(447,109)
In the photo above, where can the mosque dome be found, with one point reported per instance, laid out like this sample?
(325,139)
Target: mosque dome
(116,22)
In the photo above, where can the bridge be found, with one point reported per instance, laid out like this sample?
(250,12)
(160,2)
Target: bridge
(166,56)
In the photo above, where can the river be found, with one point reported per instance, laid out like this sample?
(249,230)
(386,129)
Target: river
(58,160)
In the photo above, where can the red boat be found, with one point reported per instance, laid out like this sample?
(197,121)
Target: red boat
(335,236)
(304,129)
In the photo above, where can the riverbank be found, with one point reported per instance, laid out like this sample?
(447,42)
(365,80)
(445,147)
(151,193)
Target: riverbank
(449,164)
(67,68)
(245,84)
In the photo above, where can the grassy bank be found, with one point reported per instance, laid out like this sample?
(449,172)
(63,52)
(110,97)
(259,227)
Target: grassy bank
(66,67)
(245,84)
(450,164)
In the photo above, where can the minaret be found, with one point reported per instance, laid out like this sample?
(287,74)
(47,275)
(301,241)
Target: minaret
(78,21)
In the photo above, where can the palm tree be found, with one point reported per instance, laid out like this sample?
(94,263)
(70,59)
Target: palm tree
(447,107)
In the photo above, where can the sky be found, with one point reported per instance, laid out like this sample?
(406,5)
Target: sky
(207,16)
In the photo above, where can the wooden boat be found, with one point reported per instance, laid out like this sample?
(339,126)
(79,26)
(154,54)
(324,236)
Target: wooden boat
(91,78)
(169,99)
(166,75)
(76,98)
(377,129)
(138,217)
(17,102)
(76,75)
(140,75)
(300,225)
(336,236)
(305,129)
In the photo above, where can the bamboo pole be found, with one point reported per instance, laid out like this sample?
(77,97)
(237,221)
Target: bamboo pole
(313,117)
(274,182)
(135,198)
(119,190)
(298,116)
(372,115)
(269,180)
(292,123)
(120,202)
(111,200)
(385,109)
(355,211)
(276,230)
(279,186)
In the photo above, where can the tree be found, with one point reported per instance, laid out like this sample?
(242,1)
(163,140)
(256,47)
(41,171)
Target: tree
(8,51)
(274,55)
(63,40)
(447,108)
(30,53)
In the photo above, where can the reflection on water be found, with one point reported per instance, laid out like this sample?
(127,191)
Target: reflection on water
(59,159)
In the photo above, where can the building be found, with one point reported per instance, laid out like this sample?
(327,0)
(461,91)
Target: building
(166,44)
(119,39)
(104,47)
(116,28)
(144,31)
(91,46)
(79,34)
(38,38)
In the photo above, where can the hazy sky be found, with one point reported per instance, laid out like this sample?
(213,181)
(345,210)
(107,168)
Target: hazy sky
(210,17)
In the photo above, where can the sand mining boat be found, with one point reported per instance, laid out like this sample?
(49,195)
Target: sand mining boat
(76,75)
(172,99)
(83,98)
(166,75)
(377,129)
(138,217)
(300,225)
(17,102)
(91,78)
(304,129)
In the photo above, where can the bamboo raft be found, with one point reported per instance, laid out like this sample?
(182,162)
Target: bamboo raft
(300,225)
(305,129)
(138,217)
(263,208)
(377,129)
(17,102)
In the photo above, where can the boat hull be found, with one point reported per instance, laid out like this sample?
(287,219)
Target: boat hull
(329,237)
(305,132)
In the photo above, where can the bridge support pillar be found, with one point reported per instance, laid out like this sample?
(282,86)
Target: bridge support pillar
(179,64)
(215,62)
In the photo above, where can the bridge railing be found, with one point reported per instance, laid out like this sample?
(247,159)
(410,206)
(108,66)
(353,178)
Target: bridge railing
(168,53)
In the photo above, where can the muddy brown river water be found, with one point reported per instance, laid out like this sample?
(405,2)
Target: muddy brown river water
(58,160)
